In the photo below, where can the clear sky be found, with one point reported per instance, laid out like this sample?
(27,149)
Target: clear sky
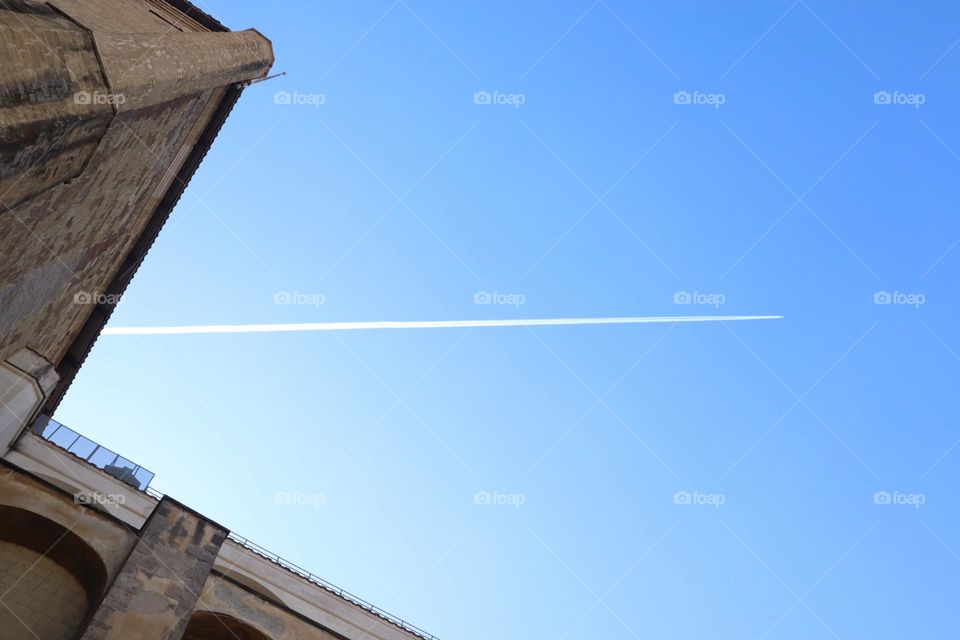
(779,479)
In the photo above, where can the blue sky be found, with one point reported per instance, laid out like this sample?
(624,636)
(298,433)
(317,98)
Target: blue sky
(782,479)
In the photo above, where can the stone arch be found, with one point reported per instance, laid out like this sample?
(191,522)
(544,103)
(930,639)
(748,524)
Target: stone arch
(251,584)
(52,579)
(209,625)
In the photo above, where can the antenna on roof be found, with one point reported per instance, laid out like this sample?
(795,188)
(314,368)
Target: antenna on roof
(276,75)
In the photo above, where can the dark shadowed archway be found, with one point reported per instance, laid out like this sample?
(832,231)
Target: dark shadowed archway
(207,625)
(50,578)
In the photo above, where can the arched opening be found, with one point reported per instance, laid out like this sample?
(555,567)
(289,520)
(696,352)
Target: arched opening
(251,584)
(50,579)
(207,625)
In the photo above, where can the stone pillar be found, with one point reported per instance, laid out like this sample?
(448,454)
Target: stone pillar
(156,591)
(143,71)
(26,379)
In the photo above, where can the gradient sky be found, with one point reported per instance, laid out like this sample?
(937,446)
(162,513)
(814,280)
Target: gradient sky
(816,452)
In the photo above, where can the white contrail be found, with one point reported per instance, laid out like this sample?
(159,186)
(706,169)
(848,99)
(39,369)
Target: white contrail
(431,324)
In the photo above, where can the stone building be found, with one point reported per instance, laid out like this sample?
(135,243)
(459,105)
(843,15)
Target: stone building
(107,108)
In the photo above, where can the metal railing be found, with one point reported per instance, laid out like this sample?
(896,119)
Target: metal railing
(102,458)
(320,582)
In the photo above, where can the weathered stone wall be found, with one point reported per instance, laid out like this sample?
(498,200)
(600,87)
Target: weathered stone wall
(126,15)
(47,135)
(40,599)
(61,248)
(155,593)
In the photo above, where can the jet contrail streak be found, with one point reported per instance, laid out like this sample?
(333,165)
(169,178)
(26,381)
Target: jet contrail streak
(431,324)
